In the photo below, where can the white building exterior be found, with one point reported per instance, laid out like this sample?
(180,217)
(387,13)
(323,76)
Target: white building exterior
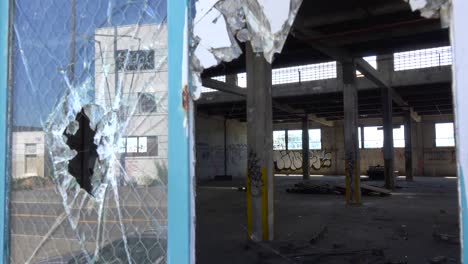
(142,75)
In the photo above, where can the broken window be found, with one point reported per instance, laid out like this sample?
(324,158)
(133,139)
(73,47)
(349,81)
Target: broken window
(87,78)
(444,135)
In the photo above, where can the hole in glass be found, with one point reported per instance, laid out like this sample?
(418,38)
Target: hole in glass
(82,165)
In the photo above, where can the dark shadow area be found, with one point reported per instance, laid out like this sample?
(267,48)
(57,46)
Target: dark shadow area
(82,165)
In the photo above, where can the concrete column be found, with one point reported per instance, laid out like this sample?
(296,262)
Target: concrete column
(305,148)
(408,147)
(259,146)
(385,65)
(351,144)
(387,113)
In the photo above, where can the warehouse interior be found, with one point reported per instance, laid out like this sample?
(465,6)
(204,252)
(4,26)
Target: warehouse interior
(340,151)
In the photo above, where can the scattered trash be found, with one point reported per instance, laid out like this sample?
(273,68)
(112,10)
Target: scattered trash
(306,187)
(443,237)
(438,260)
(405,261)
(320,235)
(401,233)
(241,189)
(376,172)
(338,245)
(325,188)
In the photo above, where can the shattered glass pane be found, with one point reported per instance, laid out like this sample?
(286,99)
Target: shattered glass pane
(79,70)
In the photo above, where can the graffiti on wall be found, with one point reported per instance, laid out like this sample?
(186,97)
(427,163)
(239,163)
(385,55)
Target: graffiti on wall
(291,160)
(237,154)
(210,159)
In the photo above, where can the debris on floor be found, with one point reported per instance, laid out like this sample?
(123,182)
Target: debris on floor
(376,172)
(447,238)
(338,188)
(309,188)
(320,235)
(438,260)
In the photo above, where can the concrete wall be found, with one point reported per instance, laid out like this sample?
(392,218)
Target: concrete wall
(428,160)
(210,147)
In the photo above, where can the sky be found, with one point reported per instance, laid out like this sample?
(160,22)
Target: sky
(41,49)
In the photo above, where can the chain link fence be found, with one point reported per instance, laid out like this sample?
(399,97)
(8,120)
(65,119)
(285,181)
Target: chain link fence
(86,75)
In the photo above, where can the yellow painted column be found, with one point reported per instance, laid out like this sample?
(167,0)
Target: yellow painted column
(260,217)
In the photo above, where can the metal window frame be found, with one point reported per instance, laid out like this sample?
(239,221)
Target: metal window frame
(459,41)
(4,232)
(180,208)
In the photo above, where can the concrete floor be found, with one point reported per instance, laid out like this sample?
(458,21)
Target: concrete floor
(394,229)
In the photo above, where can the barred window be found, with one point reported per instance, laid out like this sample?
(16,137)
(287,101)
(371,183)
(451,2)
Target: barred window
(133,60)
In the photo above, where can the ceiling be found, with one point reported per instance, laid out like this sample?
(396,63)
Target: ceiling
(362,28)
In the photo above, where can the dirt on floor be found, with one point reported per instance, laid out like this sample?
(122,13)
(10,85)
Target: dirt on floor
(417,224)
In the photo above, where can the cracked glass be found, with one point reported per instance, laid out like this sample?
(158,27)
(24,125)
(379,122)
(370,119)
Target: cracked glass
(88,115)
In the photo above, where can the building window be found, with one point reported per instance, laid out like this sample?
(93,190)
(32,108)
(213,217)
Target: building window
(423,58)
(294,139)
(30,160)
(373,137)
(399,137)
(147,103)
(445,136)
(139,146)
(279,140)
(315,138)
(134,60)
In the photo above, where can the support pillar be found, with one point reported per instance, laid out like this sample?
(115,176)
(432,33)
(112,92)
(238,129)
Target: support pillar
(385,65)
(259,146)
(408,147)
(352,160)
(387,113)
(305,148)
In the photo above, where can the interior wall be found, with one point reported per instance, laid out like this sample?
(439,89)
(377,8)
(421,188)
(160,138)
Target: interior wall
(210,147)
(428,160)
